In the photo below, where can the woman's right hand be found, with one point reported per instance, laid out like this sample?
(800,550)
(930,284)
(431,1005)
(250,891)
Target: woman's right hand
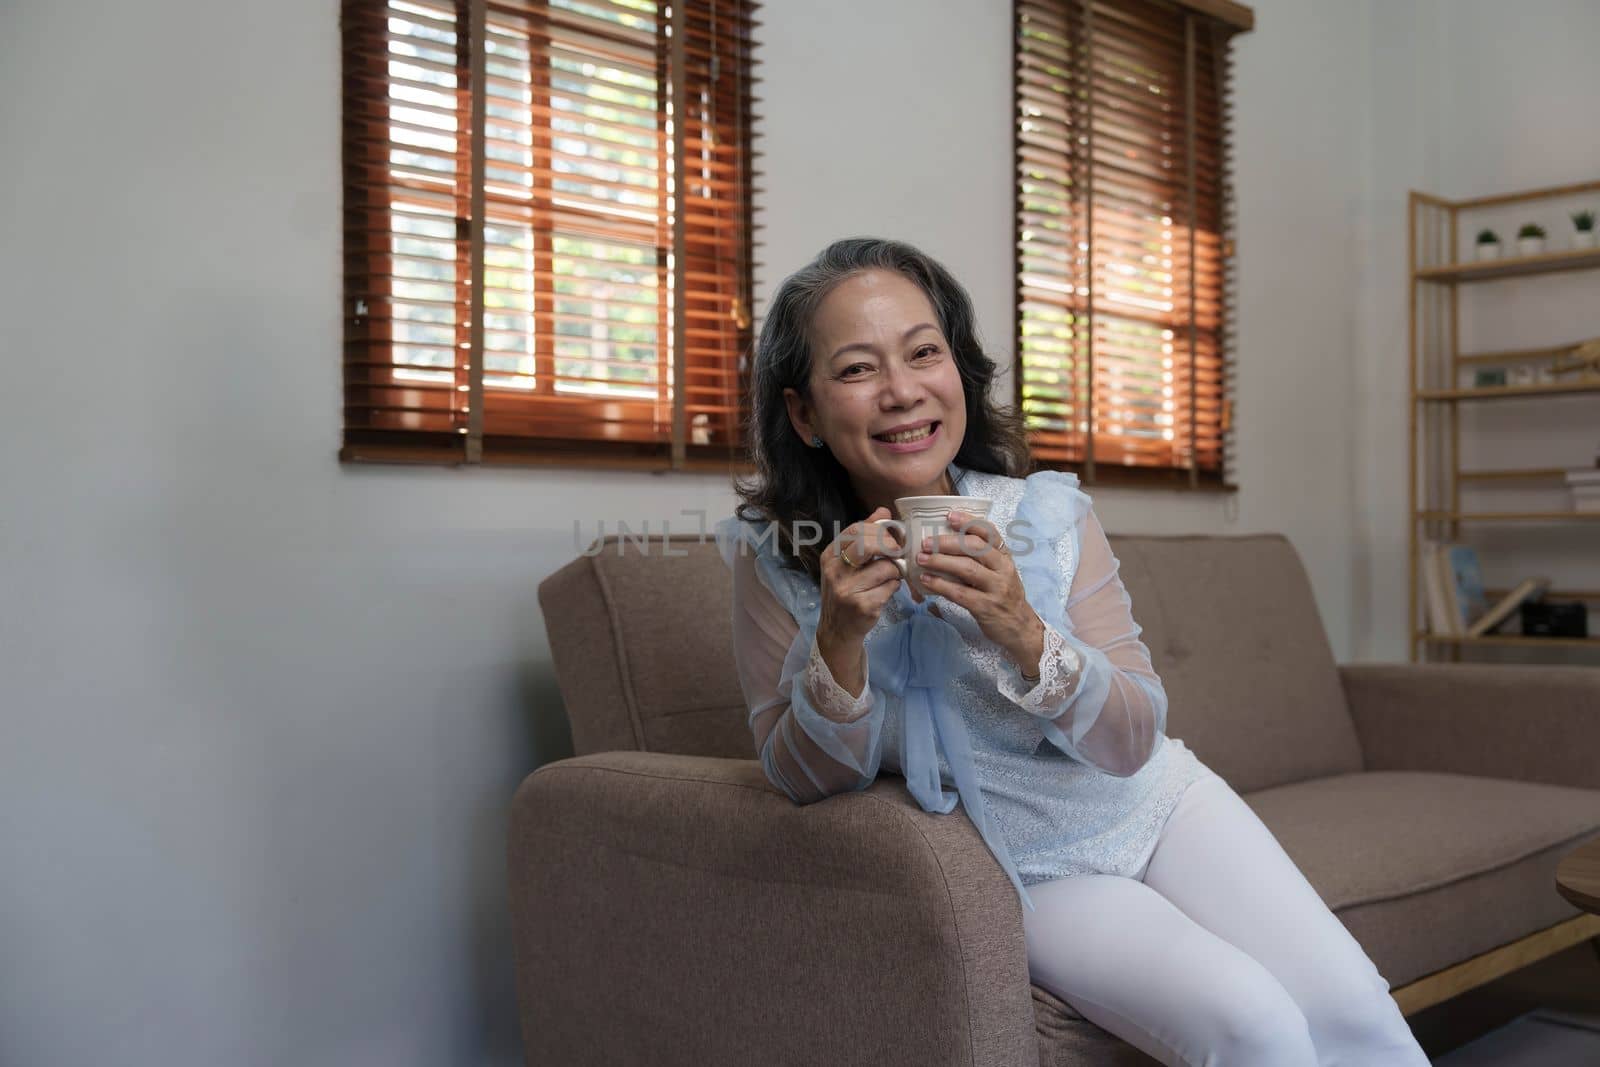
(853,597)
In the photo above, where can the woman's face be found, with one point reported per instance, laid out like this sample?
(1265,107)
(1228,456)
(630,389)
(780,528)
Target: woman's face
(880,363)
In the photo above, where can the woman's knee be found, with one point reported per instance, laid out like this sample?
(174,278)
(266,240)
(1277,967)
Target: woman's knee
(1261,1024)
(1361,1017)
(1267,1031)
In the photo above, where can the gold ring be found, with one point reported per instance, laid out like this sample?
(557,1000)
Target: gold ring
(847,561)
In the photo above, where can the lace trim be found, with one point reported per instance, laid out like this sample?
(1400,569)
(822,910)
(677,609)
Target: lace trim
(1060,668)
(828,697)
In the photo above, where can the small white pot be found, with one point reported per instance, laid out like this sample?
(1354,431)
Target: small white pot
(1582,238)
(1530,246)
(1489,251)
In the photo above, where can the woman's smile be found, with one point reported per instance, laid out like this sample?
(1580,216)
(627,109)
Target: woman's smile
(922,437)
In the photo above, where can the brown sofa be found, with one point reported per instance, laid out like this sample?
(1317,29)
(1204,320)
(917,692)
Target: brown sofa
(670,906)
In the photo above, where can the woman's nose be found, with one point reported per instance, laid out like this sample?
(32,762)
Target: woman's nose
(900,387)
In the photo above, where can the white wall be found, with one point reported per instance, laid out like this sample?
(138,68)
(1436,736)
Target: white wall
(1470,102)
(264,713)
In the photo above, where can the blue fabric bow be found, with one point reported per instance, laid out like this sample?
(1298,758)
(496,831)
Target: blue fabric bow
(917,659)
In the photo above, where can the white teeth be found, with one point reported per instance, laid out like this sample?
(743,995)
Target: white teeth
(909,435)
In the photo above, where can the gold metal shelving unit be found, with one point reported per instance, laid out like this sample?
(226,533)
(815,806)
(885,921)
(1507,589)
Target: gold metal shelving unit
(1437,276)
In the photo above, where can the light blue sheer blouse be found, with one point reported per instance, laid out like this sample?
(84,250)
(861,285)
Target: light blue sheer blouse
(944,706)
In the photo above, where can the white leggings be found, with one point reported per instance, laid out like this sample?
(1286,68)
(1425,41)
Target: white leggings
(1218,953)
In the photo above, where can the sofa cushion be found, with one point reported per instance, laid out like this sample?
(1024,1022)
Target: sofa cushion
(1427,870)
(1234,633)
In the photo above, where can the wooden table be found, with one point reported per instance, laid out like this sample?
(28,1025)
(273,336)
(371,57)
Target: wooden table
(1578,876)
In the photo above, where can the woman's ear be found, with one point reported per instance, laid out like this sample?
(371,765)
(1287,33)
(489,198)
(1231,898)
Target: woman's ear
(799,413)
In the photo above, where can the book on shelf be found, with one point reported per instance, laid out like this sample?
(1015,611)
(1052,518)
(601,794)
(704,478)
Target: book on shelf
(1584,485)
(1439,619)
(1506,606)
(1463,586)
(1453,585)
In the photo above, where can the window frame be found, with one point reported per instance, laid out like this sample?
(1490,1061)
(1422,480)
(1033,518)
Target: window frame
(1223,20)
(369,366)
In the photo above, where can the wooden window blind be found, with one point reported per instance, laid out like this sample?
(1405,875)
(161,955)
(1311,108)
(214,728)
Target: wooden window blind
(1124,238)
(547,231)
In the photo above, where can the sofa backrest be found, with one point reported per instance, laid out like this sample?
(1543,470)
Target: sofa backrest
(1233,631)
(643,648)
(642,640)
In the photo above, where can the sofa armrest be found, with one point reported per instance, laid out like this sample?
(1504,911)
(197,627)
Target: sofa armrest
(1530,723)
(671,909)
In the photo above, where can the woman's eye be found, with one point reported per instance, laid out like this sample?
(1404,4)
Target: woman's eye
(853,367)
(927,350)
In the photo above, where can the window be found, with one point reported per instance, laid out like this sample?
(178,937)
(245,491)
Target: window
(1124,248)
(547,232)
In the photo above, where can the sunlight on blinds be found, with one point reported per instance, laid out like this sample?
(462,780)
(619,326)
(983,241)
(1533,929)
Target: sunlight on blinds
(1121,211)
(580,273)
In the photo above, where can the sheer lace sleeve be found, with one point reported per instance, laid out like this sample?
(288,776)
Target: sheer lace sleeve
(1098,696)
(1059,670)
(814,738)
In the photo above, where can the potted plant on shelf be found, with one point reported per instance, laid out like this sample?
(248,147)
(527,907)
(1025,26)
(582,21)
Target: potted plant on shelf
(1583,229)
(1530,239)
(1488,245)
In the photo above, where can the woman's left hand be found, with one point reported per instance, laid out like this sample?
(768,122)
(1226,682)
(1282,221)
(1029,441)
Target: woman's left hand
(975,570)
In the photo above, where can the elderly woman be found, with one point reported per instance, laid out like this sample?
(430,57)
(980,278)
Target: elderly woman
(1156,902)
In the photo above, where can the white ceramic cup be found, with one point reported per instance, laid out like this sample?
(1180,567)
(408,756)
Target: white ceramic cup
(926,516)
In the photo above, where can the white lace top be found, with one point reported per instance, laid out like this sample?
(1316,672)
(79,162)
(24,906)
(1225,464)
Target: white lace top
(1071,775)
